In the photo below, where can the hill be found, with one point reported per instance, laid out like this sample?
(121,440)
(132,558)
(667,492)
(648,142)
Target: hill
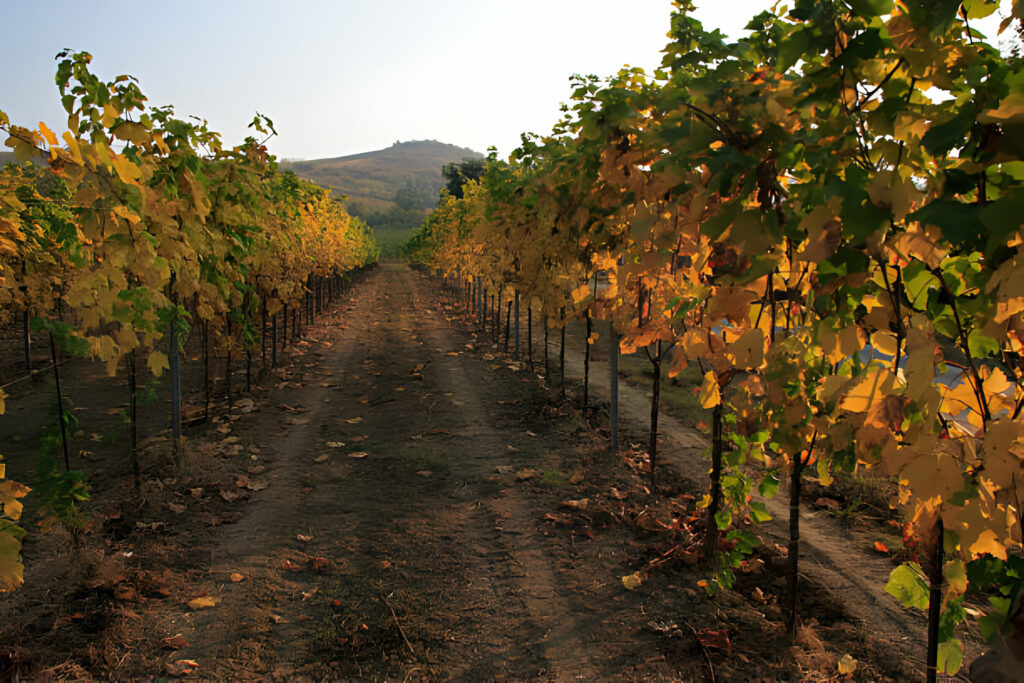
(391,189)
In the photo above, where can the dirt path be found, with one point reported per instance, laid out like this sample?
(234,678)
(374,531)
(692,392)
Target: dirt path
(434,558)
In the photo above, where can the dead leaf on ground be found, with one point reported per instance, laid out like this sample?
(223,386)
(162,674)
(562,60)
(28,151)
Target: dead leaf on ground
(319,564)
(358,454)
(560,518)
(290,566)
(580,504)
(354,420)
(232,496)
(175,642)
(505,469)
(320,458)
(425,473)
(196,492)
(181,667)
(364,399)
(257,469)
(357,439)
(296,420)
(632,581)
(237,578)
(523,475)
(304,537)
(335,444)
(202,603)
(278,619)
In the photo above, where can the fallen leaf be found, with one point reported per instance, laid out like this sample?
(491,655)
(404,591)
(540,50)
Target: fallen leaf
(523,475)
(364,399)
(196,492)
(712,638)
(232,496)
(357,439)
(175,642)
(561,518)
(529,433)
(617,494)
(319,564)
(320,458)
(304,538)
(288,565)
(632,581)
(181,667)
(257,469)
(296,420)
(277,619)
(176,508)
(237,578)
(880,547)
(425,473)
(358,454)
(754,566)
(202,603)
(354,420)
(335,444)
(758,595)
(580,504)
(847,665)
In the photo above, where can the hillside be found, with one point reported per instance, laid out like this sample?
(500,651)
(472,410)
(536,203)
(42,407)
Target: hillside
(392,189)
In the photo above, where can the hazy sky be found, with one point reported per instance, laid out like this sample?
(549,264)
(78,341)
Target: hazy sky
(340,77)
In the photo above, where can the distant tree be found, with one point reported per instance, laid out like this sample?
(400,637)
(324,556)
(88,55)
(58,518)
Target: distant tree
(457,174)
(409,198)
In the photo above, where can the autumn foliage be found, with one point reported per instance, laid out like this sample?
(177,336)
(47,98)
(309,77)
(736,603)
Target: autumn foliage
(825,217)
(133,221)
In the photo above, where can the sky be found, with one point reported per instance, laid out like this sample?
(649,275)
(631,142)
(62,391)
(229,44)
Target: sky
(339,77)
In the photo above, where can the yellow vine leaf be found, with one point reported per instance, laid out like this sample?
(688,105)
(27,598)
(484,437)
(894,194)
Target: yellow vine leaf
(76,152)
(747,352)
(710,396)
(48,134)
(580,293)
(873,387)
(10,492)
(157,362)
(132,132)
(12,572)
(980,530)
(127,171)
